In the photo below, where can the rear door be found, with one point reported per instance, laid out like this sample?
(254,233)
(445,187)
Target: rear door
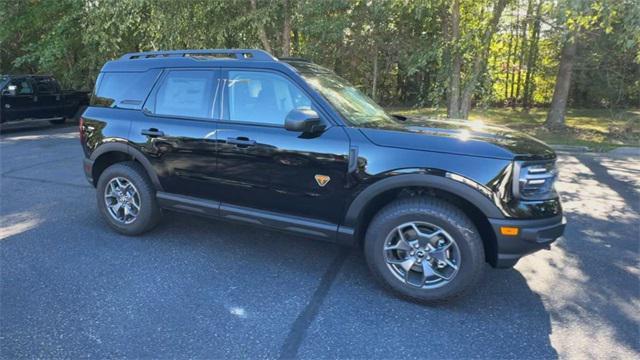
(23,103)
(49,102)
(176,130)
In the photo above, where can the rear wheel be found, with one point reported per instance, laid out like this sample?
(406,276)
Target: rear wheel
(424,249)
(126,199)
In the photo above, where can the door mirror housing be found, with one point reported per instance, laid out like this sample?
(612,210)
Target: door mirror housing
(304,121)
(10,90)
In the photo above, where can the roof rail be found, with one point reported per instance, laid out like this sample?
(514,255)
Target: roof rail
(240,54)
(293,58)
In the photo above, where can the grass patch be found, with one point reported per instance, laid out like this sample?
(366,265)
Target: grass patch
(597,129)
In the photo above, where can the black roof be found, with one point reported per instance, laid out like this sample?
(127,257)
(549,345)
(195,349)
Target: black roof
(141,61)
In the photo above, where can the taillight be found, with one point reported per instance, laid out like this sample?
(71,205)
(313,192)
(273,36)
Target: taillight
(81,128)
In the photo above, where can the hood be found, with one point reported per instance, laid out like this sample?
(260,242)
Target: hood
(459,137)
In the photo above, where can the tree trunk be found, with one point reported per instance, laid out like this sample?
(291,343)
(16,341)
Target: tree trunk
(508,68)
(286,30)
(262,33)
(532,58)
(453,106)
(522,51)
(515,52)
(480,61)
(374,83)
(296,42)
(555,118)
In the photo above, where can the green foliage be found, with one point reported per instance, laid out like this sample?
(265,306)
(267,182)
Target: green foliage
(394,50)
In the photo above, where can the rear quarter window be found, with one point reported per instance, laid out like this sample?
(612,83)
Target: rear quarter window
(126,90)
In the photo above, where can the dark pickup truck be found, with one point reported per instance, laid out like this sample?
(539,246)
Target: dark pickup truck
(37,97)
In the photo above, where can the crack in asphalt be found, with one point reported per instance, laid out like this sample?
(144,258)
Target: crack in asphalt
(298,330)
(44,181)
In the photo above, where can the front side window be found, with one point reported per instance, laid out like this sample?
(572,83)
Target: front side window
(186,94)
(262,97)
(23,87)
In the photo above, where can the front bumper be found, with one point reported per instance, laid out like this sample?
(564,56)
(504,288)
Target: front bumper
(533,235)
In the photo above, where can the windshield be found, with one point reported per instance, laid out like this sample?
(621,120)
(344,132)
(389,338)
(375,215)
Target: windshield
(357,108)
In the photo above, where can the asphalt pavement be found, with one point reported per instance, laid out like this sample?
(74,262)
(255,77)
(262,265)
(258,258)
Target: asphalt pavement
(199,288)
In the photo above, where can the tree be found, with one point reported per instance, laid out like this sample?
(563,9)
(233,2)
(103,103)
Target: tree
(409,53)
(460,98)
(555,117)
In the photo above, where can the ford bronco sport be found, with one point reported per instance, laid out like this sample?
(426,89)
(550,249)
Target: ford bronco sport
(287,144)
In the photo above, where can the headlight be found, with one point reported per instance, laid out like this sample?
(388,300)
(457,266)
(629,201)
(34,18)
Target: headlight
(534,180)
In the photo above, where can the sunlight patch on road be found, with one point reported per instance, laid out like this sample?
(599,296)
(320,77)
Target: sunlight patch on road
(582,194)
(17,223)
(576,299)
(9,139)
(238,311)
(624,169)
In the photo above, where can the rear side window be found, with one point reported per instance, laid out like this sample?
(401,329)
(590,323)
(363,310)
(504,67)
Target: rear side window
(125,90)
(46,85)
(186,94)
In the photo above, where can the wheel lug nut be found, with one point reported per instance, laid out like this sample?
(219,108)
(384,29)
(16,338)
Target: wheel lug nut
(412,253)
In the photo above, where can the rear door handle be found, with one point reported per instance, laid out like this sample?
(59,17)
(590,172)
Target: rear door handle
(152,132)
(241,141)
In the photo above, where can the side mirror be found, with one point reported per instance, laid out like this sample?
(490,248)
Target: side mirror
(10,90)
(304,121)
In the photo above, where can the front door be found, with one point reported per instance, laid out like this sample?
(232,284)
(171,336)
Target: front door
(176,131)
(22,104)
(262,165)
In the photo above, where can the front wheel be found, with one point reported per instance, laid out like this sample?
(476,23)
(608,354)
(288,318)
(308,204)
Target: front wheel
(424,249)
(127,199)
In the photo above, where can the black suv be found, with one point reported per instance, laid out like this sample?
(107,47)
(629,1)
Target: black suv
(287,144)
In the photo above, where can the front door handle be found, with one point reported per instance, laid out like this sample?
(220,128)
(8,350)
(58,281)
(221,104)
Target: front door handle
(241,141)
(152,132)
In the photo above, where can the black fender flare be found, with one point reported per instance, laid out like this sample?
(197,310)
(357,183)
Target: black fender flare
(358,205)
(134,153)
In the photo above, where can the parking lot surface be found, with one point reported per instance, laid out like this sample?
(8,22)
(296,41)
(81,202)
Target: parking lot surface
(199,288)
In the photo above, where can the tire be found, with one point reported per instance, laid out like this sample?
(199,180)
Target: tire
(149,212)
(58,121)
(432,213)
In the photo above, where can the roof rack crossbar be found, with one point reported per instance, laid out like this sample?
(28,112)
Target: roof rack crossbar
(240,54)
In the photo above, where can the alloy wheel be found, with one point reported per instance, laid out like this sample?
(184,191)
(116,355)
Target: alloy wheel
(122,200)
(422,255)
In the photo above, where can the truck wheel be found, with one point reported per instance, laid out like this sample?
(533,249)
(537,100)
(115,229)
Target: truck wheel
(58,121)
(127,199)
(425,249)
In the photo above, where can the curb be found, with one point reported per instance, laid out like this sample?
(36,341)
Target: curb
(626,151)
(570,148)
